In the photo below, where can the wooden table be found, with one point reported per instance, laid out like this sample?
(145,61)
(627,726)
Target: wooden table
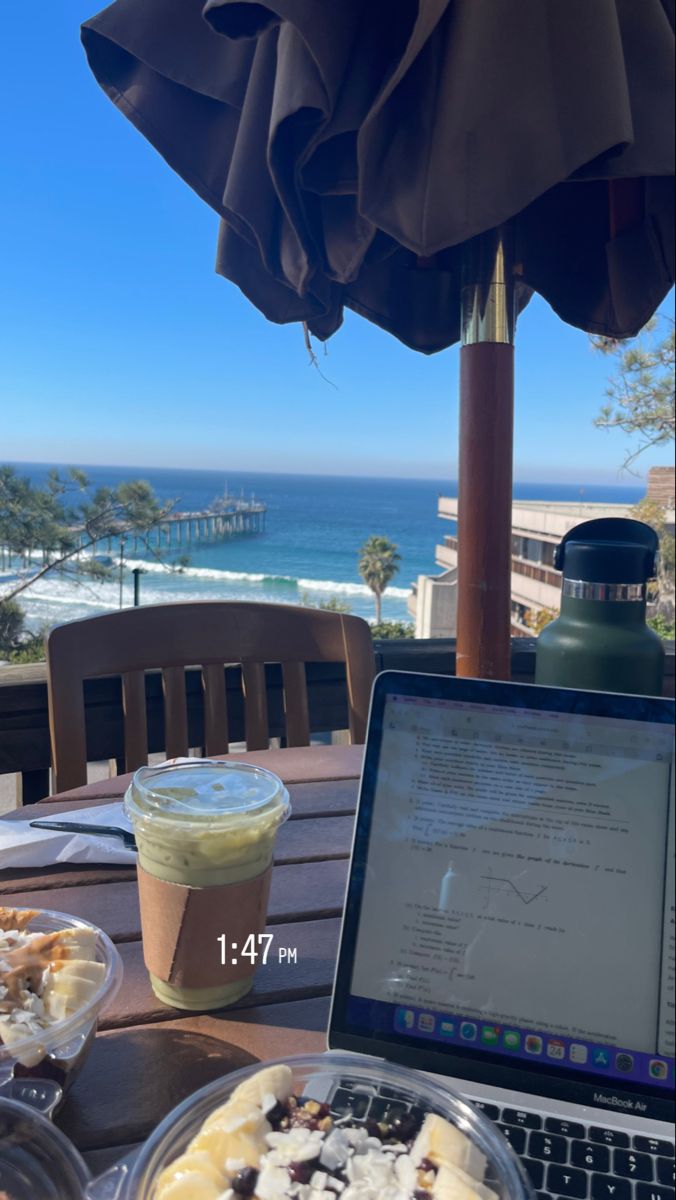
(147,1057)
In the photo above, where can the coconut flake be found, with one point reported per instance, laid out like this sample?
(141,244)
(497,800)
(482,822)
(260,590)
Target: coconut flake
(298,1144)
(357,1137)
(406,1173)
(272,1183)
(335,1150)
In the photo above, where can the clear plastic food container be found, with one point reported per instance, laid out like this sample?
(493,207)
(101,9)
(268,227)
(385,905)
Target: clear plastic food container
(57,1052)
(316,1077)
(36,1161)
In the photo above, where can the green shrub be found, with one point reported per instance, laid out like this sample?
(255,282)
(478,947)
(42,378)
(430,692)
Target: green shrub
(393,629)
(661,625)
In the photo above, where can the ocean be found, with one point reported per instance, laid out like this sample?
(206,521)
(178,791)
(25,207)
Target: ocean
(308,553)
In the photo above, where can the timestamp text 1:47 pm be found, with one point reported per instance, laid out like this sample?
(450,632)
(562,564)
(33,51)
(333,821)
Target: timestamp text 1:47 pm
(256,949)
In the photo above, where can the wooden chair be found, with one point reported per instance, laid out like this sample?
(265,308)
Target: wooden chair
(210,635)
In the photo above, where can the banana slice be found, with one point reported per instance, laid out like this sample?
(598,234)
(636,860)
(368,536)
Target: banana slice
(80,942)
(234,1115)
(222,1145)
(71,987)
(233,1118)
(451,1183)
(271,1081)
(191,1186)
(193,1176)
(84,968)
(64,1000)
(236,1131)
(11,1034)
(444,1145)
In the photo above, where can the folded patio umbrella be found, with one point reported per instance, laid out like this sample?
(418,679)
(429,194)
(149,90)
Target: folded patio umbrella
(428,164)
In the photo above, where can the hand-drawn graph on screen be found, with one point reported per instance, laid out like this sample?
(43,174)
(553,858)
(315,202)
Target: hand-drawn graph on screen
(460,892)
(498,891)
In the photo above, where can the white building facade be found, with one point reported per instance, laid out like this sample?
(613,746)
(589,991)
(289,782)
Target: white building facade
(537,529)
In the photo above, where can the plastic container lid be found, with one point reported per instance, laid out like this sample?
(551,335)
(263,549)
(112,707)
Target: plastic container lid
(36,1161)
(205,793)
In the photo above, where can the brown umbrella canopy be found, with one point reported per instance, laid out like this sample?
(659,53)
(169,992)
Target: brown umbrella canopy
(353,147)
(429,164)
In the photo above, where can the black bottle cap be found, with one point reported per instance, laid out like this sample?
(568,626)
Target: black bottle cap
(608,550)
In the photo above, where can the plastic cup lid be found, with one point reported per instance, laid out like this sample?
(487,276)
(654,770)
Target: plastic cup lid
(203,790)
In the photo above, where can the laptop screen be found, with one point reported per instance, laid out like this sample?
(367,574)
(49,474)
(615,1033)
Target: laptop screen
(512,890)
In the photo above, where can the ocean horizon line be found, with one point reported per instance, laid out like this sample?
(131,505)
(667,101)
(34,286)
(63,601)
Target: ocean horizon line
(636,483)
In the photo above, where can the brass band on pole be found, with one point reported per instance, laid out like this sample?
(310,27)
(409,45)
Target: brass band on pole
(488,297)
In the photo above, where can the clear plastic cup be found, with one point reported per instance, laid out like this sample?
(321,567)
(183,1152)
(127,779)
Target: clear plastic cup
(57,1052)
(208,828)
(316,1077)
(36,1161)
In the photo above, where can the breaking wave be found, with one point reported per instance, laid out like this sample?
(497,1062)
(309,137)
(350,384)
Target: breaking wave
(333,587)
(58,598)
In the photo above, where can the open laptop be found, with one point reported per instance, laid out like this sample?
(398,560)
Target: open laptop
(510,919)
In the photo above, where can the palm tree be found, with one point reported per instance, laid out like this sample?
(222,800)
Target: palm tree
(378,565)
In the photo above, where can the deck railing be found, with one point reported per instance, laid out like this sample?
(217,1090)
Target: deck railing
(24,727)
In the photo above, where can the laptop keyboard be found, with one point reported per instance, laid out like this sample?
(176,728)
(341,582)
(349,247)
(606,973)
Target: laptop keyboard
(562,1158)
(588,1162)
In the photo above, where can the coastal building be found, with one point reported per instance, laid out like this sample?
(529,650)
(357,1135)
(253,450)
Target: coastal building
(537,528)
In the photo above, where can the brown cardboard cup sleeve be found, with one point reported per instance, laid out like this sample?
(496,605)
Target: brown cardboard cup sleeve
(181,927)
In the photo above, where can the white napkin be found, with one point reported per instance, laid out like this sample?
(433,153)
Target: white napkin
(21,846)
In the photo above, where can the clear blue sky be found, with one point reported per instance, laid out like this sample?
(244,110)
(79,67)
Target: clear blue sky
(119,344)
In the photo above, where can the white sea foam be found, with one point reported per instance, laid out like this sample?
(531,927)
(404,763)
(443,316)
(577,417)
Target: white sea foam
(307,585)
(331,586)
(158,568)
(347,589)
(70,599)
(58,597)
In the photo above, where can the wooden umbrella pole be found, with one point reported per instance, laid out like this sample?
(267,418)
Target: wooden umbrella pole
(485,460)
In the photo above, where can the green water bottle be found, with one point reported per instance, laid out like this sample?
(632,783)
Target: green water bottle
(600,641)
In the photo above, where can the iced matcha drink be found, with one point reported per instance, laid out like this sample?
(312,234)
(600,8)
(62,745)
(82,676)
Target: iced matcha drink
(205,832)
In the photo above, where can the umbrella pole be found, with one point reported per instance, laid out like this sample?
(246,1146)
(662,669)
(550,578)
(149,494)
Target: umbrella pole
(485,459)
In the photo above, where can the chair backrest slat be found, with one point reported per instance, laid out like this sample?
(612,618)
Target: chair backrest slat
(296,714)
(359,660)
(67,728)
(255,706)
(135,720)
(171,637)
(216,740)
(175,712)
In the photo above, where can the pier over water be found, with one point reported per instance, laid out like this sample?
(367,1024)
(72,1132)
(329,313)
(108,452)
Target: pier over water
(226,517)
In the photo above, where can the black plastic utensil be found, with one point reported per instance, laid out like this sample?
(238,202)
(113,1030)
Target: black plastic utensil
(79,827)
